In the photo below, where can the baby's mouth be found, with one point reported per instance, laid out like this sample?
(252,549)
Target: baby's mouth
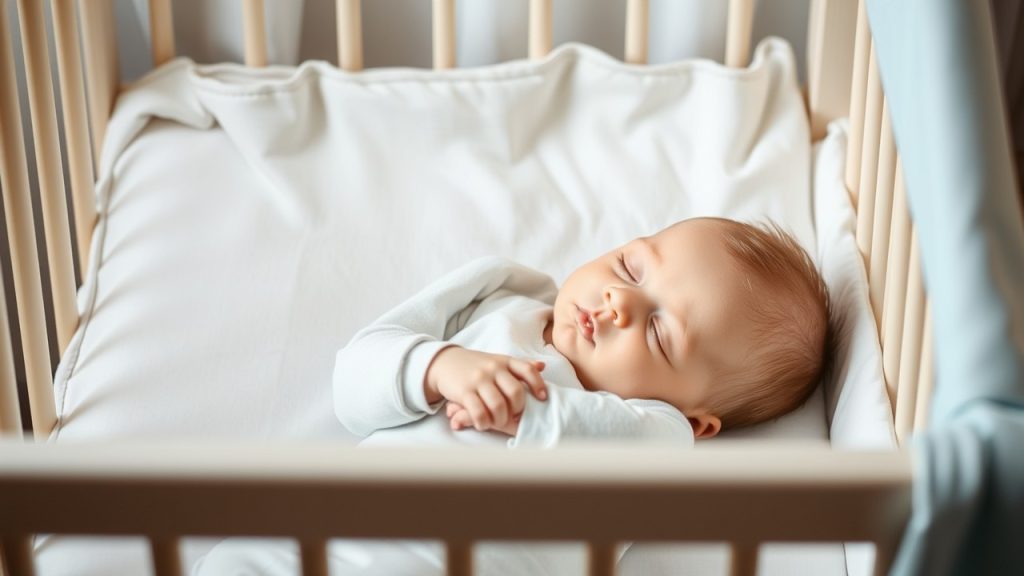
(585,322)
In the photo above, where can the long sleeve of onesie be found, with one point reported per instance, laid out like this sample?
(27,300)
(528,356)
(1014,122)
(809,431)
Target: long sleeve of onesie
(571,413)
(378,375)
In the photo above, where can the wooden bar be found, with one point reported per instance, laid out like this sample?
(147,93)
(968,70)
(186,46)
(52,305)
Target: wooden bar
(881,227)
(161,30)
(49,169)
(910,354)
(314,557)
(10,407)
(896,285)
(459,560)
(740,27)
(21,236)
(255,33)
(743,559)
(444,34)
(540,28)
(858,91)
(350,34)
(102,71)
(869,160)
(831,28)
(17,551)
(926,381)
(302,489)
(601,558)
(166,556)
(76,127)
(637,21)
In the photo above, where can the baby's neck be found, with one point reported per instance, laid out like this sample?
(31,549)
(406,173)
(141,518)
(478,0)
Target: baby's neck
(547,330)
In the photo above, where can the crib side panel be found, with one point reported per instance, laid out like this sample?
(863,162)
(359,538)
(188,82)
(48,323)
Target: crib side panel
(27,279)
(885,238)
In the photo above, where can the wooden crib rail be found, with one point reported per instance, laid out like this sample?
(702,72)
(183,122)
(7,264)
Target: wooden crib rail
(48,168)
(24,256)
(741,493)
(886,240)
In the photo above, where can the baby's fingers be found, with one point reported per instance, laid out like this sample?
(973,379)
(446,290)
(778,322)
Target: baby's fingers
(529,372)
(495,402)
(460,420)
(452,408)
(478,412)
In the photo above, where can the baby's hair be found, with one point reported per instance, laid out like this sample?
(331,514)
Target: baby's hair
(791,313)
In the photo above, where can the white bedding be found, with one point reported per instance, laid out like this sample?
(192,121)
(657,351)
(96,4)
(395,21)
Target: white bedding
(252,220)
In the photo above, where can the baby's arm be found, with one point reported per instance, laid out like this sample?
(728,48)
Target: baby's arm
(579,414)
(379,376)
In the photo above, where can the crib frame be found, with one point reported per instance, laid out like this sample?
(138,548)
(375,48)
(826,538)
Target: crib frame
(310,492)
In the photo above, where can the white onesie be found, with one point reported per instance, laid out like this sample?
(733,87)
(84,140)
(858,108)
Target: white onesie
(491,305)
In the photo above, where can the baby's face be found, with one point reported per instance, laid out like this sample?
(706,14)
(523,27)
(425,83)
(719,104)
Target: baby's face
(651,319)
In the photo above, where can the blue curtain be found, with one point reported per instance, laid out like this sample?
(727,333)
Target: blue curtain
(939,69)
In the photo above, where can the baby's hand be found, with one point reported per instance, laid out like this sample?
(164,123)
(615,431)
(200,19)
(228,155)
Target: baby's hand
(491,388)
(458,418)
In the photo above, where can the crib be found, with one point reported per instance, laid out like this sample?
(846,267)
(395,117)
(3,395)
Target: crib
(745,495)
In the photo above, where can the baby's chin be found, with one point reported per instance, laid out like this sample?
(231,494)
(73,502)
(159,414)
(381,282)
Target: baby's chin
(560,340)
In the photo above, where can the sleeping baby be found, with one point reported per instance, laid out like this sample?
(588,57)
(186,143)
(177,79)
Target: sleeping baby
(707,325)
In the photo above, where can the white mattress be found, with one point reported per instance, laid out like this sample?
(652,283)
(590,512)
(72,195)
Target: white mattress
(252,220)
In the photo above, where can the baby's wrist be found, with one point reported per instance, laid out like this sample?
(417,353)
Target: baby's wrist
(431,384)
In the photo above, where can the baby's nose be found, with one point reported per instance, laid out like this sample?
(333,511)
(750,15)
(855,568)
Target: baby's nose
(617,306)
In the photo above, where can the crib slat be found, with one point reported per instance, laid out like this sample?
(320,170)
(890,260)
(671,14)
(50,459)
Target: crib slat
(540,28)
(49,169)
(637,20)
(459,560)
(601,558)
(882,220)
(926,381)
(910,355)
(166,556)
(76,128)
(10,409)
(744,559)
(858,90)
(314,557)
(869,159)
(161,30)
(741,23)
(896,286)
(17,553)
(350,34)
(21,236)
(255,33)
(831,29)
(102,71)
(444,34)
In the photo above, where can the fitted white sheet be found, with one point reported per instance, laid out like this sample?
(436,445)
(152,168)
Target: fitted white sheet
(252,220)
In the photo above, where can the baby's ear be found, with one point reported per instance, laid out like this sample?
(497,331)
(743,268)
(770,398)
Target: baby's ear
(705,425)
